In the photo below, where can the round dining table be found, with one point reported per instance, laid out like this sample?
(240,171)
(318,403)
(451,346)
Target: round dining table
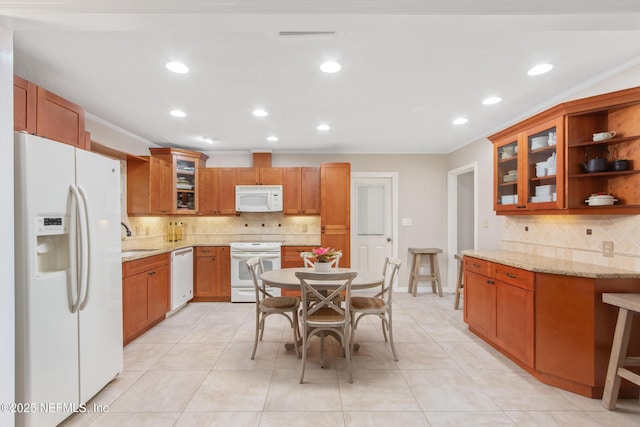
(285,278)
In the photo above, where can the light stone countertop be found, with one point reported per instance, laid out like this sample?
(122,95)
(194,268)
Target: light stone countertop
(141,249)
(541,264)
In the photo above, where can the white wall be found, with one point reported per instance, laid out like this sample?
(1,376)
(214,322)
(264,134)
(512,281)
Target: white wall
(489,224)
(7,315)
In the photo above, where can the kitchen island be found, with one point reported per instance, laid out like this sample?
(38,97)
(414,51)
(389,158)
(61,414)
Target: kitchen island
(547,315)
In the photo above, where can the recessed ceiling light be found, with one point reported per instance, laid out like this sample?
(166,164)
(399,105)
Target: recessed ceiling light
(492,100)
(177,67)
(323,127)
(540,69)
(460,121)
(330,67)
(207,139)
(178,113)
(260,113)
(272,138)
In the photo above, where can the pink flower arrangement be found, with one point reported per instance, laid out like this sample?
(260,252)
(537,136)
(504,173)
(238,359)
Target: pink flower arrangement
(325,254)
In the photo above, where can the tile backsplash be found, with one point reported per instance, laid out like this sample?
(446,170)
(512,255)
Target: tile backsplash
(566,236)
(272,226)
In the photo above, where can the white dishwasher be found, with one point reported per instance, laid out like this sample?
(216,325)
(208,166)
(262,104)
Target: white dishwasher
(181,277)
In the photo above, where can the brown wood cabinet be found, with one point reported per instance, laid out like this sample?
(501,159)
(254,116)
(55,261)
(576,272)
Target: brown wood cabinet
(25,99)
(212,279)
(59,119)
(624,185)
(290,258)
(185,166)
(148,186)
(301,187)
(43,113)
(258,176)
(554,326)
(335,205)
(217,191)
(531,188)
(501,306)
(574,124)
(145,294)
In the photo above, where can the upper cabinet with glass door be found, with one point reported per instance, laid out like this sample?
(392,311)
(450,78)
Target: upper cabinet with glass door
(526,176)
(185,166)
(544,169)
(506,175)
(580,157)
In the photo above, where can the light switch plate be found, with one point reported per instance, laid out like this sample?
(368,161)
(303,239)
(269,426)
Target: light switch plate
(407,221)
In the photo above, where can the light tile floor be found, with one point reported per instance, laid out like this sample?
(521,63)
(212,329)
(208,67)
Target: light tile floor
(194,370)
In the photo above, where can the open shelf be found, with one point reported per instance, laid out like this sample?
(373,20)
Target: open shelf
(612,141)
(604,174)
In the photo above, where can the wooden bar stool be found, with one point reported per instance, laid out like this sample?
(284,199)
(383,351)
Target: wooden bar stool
(415,277)
(629,305)
(459,284)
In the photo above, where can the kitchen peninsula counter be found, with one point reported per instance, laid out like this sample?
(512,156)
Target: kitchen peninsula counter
(547,315)
(542,264)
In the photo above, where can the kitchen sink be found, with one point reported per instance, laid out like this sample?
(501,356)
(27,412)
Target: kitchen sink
(132,252)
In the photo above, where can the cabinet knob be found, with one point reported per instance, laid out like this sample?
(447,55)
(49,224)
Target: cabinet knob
(512,276)
(152,273)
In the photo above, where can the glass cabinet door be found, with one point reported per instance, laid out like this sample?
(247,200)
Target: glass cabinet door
(185,184)
(507,175)
(544,166)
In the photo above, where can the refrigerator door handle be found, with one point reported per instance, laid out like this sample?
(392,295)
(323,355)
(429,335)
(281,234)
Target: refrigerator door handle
(86,251)
(81,249)
(73,251)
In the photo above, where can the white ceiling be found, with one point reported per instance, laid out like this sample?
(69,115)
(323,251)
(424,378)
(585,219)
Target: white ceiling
(409,66)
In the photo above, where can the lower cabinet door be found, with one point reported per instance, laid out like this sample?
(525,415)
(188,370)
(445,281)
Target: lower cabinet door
(134,304)
(514,321)
(159,293)
(206,274)
(480,303)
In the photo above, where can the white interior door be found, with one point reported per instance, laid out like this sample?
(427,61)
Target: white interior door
(372,222)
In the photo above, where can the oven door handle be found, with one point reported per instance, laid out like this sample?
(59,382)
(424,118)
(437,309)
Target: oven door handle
(263,256)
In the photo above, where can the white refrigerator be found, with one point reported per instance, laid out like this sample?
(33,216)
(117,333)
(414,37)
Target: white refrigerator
(68,277)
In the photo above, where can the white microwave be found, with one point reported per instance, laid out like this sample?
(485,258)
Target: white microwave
(259,198)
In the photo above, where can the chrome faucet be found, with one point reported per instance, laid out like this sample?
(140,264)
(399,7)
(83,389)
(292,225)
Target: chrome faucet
(126,228)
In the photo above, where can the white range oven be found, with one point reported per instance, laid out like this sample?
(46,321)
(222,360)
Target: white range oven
(242,289)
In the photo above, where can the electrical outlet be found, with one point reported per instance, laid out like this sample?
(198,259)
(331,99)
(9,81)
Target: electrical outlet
(607,248)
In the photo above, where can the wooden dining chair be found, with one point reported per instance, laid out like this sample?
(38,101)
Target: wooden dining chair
(267,304)
(378,305)
(324,314)
(310,265)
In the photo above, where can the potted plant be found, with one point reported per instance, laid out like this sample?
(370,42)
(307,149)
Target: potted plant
(323,258)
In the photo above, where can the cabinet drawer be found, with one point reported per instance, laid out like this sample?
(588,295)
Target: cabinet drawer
(514,276)
(477,266)
(205,250)
(137,266)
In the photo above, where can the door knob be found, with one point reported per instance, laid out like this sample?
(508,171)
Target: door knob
(388,239)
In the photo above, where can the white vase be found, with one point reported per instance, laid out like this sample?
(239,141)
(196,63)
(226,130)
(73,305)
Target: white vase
(322,267)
